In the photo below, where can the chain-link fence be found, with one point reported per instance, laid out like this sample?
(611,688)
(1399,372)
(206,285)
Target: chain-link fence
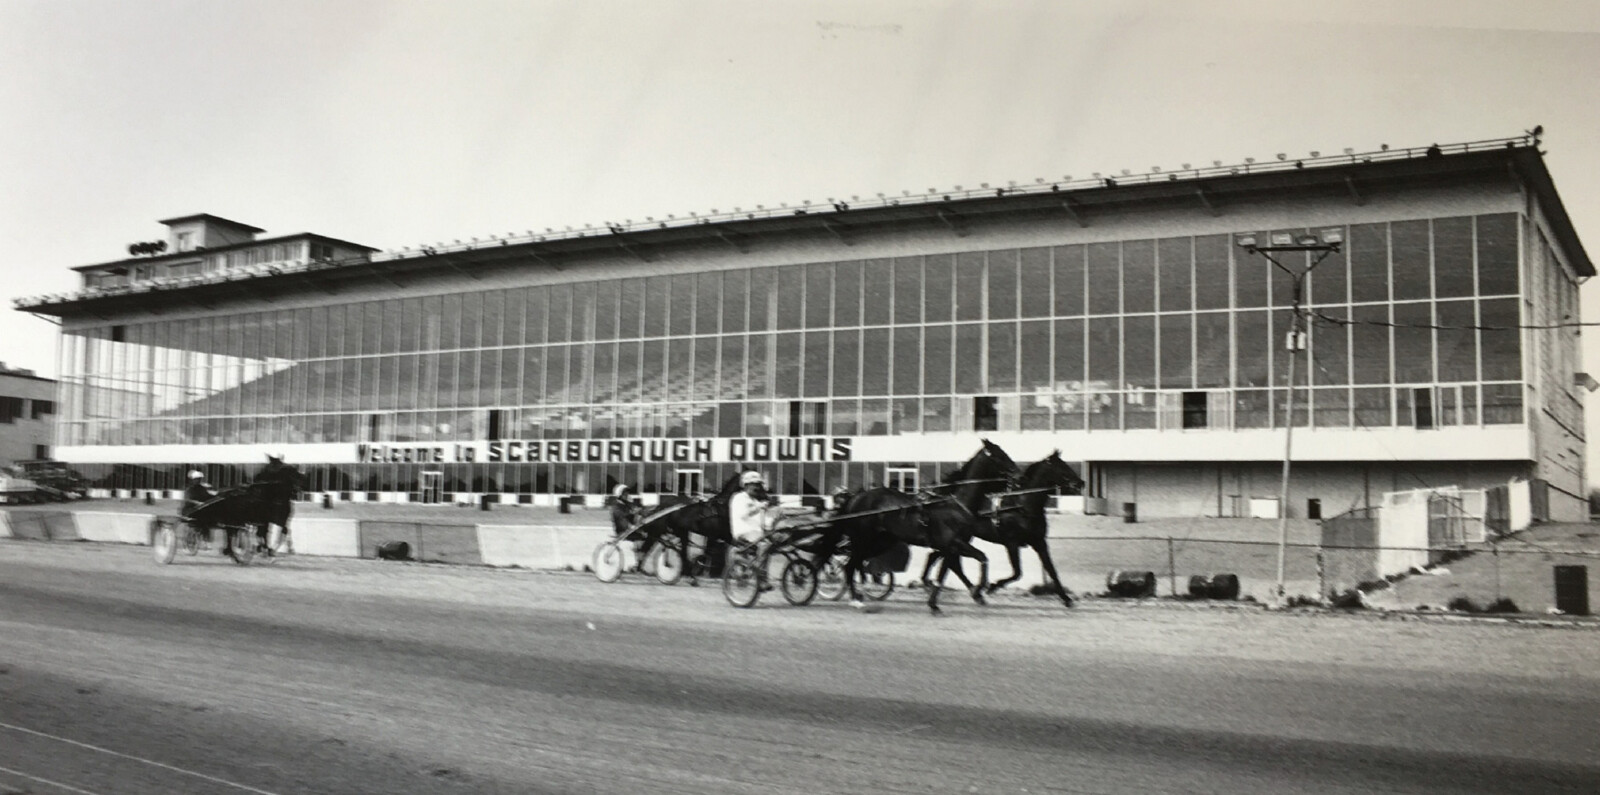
(1517,568)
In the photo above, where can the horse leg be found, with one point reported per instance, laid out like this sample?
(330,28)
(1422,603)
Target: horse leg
(1042,548)
(927,568)
(1015,554)
(852,568)
(961,548)
(933,593)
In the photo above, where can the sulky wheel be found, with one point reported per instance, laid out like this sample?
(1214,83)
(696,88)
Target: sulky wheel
(241,545)
(875,586)
(741,582)
(668,564)
(608,561)
(799,582)
(164,541)
(830,580)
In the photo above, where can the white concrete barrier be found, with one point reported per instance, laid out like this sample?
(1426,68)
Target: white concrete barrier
(519,545)
(339,538)
(539,546)
(114,528)
(5,524)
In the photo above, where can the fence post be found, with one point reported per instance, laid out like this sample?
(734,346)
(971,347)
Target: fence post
(1172,568)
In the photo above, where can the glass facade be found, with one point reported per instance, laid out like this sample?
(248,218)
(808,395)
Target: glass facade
(1415,321)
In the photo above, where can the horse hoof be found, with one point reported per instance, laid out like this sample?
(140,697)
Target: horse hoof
(977,596)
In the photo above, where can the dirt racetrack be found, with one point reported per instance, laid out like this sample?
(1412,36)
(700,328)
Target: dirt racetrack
(330,675)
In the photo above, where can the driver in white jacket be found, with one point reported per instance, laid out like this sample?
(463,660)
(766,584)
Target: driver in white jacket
(750,511)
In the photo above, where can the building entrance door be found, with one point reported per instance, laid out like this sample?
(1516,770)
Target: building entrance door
(902,478)
(431,483)
(689,482)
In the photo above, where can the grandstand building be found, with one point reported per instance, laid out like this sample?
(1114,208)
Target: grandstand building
(873,342)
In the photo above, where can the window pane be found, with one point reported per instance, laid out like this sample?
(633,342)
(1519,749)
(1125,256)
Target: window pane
(1413,274)
(1252,274)
(1139,350)
(471,320)
(1177,273)
(1034,356)
(1069,353)
(1373,407)
(652,371)
(731,369)
(875,362)
(1413,343)
(847,363)
(1369,334)
(680,309)
(1177,359)
(1452,257)
(707,302)
(1002,285)
(907,359)
(1497,255)
(1034,280)
(1253,348)
(607,307)
(762,281)
(758,373)
(1458,341)
(818,359)
(1369,262)
(969,286)
(680,369)
(1211,283)
(969,358)
(936,355)
(537,324)
(1502,353)
(1329,282)
(630,312)
(734,298)
(1330,349)
(1002,355)
(847,294)
(558,315)
(1069,281)
(908,290)
(1502,404)
(1105,348)
(1139,276)
(790,306)
(656,289)
(1104,279)
(1331,407)
(877,292)
(938,288)
(582,312)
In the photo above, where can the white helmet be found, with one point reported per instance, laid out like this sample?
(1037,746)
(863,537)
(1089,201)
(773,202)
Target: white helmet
(751,476)
(195,474)
(622,488)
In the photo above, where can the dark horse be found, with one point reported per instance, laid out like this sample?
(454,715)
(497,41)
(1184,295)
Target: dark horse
(704,517)
(254,506)
(944,523)
(1020,520)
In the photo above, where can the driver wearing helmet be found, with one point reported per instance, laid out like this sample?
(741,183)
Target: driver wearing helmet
(197,493)
(750,511)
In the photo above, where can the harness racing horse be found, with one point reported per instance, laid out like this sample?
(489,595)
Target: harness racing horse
(276,487)
(254,506)
(944,524)
(1020,520)
(707,518)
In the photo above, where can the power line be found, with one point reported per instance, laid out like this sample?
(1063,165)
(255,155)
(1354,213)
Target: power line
(1339,321)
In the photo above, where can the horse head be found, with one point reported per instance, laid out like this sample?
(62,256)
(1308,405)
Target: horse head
(1053,471)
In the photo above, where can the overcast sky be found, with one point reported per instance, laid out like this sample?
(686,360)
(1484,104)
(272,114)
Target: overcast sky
(400,123)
